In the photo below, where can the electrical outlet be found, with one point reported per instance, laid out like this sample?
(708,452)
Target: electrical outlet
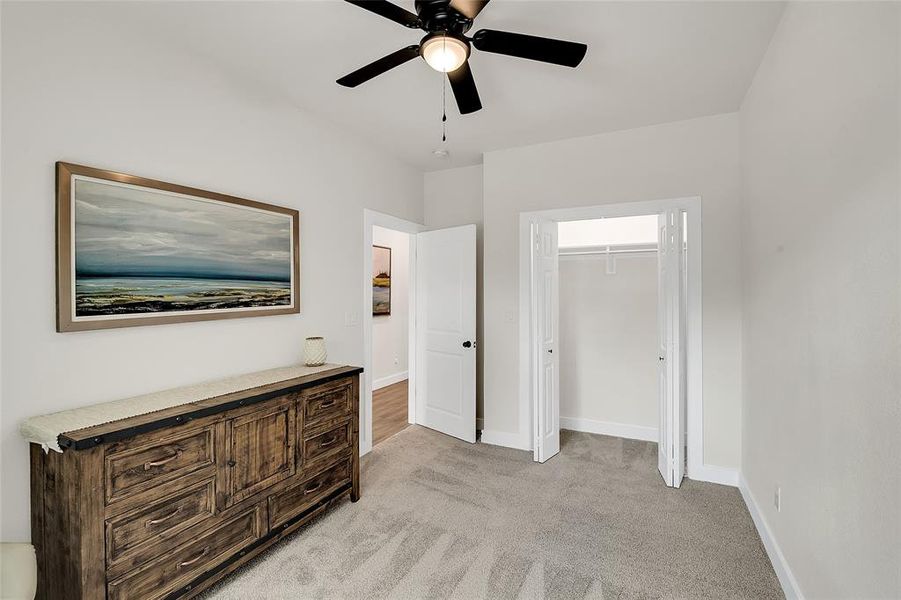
(351,318)
(777,499)
(396,361)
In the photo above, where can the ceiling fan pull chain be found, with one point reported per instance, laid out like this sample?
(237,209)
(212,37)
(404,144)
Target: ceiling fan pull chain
(443,108)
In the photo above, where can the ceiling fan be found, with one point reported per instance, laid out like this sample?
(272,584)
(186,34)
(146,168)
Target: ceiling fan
(446,47)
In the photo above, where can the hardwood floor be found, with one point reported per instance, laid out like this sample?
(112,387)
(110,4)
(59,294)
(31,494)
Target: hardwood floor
(389,411)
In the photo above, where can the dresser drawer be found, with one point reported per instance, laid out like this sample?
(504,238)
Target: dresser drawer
(161,520)
(326,402)
(296,499)
(326,442)
(180,566)
(145,465)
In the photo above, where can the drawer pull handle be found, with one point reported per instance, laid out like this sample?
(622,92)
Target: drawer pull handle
(191,561)
(159,463)
(313,489)
(328,442)
(152,522)
(327,403)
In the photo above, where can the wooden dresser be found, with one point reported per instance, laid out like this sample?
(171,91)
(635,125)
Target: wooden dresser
(164,504)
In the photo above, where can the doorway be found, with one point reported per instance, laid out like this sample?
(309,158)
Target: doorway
(677,361)
(437,377)
(391,293)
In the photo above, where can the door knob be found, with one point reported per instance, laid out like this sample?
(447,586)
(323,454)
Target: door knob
(467,344)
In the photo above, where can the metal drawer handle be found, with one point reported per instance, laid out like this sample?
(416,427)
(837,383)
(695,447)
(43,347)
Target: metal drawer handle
(328,442)
(327,403)
(152,522)
(159,463)
(310,490)
(191,561)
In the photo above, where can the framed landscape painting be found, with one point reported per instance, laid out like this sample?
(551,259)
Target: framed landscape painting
(135,251)
(381,281)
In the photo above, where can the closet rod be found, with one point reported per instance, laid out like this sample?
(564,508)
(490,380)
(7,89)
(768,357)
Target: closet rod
(606,252)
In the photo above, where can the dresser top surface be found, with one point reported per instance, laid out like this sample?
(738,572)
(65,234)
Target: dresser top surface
(97,424)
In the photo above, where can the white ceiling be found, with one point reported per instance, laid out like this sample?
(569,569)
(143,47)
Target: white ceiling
(647,63)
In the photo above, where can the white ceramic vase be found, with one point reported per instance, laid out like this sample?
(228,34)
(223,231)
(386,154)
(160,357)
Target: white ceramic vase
(314,351)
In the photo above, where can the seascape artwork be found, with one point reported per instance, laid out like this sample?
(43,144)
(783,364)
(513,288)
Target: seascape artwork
(381,280)
(143,252)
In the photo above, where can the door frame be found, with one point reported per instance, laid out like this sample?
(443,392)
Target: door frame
(372,219)
(529,400)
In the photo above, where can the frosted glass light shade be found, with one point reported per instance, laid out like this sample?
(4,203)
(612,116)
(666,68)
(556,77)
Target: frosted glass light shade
(314,352)
(444,53)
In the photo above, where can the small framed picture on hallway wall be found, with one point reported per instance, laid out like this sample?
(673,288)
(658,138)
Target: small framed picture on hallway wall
(381,281)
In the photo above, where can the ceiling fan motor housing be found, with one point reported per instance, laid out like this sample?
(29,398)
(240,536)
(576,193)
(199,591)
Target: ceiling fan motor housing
(438,16)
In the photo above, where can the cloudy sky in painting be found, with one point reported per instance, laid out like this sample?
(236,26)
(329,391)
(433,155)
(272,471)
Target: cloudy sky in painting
(122,231)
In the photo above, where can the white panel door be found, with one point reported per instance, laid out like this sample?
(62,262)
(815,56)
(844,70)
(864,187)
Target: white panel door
(446,331)
(671,357)
(546,283)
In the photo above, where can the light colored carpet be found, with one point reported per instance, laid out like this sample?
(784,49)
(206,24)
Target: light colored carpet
(440,518)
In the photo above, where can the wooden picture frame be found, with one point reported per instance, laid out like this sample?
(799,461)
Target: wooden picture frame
(124,283)
(381,281)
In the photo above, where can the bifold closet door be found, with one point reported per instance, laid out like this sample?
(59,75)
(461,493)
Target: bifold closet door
(446,331)
(545,331)
(670,358)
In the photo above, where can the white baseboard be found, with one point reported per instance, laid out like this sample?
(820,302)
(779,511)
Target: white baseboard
(632,432)
(505,439)
(714,474)
(389,380)
(780,565)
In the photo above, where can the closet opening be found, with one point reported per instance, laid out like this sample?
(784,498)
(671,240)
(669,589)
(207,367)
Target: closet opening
(611,334)
(608,326)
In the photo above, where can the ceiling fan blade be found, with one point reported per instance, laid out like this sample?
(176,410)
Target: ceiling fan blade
(464,87)
(468,8)
(373,69)
(389,11)
(558,52)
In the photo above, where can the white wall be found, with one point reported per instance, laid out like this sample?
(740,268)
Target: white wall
(454,197)
(820,236)
(390,333)
(698,157)
(76,90)
(608,343)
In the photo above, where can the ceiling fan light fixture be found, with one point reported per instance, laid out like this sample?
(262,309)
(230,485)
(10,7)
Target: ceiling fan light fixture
(444,53)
